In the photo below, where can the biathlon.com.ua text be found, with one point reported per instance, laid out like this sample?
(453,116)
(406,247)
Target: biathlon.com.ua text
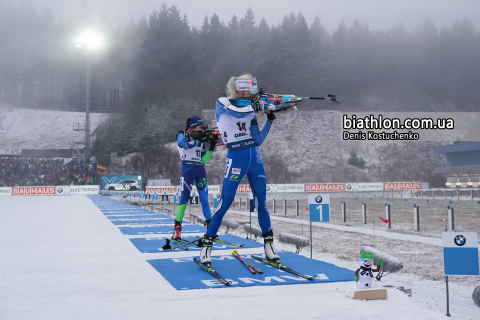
(380,122)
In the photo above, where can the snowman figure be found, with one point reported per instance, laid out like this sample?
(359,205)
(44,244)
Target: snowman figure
(364,275)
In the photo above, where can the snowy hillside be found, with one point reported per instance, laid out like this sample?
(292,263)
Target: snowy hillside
(40,129)
(310,149)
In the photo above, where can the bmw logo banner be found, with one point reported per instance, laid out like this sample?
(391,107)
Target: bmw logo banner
(460,253)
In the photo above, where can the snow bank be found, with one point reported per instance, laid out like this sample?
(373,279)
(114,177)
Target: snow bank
(253,230)
(297,241)
(230,224)
(390,263)
(476,296)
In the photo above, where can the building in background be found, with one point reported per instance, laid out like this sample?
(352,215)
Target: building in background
(463,165)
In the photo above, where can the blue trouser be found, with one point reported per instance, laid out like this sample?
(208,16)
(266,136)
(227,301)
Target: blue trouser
(191,174)
(240,162)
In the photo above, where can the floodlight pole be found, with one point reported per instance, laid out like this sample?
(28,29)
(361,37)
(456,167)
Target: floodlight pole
(87,111)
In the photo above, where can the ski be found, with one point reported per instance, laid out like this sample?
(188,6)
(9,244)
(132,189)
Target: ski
(224,242)
(208,267)
(283,267)
(179,242)
(252,269)
(180,245)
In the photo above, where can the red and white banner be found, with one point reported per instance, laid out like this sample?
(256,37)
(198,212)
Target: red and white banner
(33,191)
(161,189)
(244,188)
(324,187)
(387,186)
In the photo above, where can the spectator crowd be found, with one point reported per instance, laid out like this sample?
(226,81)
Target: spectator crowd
(45,172)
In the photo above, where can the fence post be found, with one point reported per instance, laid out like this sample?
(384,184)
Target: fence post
(364,213)
(344,213)
(285,206)
(273,200)
(296,206)
(416,217)
(451,221)
(458,195)
(422,193)
(389,218)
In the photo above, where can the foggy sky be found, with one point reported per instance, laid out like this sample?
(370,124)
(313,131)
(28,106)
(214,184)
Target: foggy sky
(379,14)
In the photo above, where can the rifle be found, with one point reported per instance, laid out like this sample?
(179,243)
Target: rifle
(283,102)
(213,134)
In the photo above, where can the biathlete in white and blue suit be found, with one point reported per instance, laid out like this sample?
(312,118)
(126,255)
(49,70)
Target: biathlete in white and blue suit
(237,123)
(193,153)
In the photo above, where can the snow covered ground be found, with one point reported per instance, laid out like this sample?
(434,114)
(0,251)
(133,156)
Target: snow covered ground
(40,129)
(61,258)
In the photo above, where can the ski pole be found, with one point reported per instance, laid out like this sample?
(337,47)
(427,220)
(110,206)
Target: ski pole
(248,265)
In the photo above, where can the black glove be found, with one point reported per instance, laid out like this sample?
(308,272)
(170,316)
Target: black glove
(213,143)
(212,137)
(203,137)
(271,116)
(256,103)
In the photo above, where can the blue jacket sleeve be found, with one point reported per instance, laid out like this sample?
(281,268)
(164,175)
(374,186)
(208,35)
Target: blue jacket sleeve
(183,143)
(257,135)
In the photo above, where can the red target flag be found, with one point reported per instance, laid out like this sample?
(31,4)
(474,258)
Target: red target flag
(384,220)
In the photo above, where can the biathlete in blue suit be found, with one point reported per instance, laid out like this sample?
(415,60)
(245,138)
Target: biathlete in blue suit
(193,153)
(237,123)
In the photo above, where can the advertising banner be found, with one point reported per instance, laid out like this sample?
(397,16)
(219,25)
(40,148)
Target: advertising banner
(402,186)
(324,187)
(213,189)
(34,191)
(120,183)
(161,189)
(66,190)
(364,186)
(244,188)
(5,191)
(285,188)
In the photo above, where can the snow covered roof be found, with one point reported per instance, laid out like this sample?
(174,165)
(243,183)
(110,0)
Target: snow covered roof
(458,169)
(470,146)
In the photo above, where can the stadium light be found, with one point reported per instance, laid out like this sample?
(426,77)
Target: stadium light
(90,41)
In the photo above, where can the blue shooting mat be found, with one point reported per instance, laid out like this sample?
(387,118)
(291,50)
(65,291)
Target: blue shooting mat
(155,245)
(160,229)
(169,222)
(185,274)
(131,213)
(138,216)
